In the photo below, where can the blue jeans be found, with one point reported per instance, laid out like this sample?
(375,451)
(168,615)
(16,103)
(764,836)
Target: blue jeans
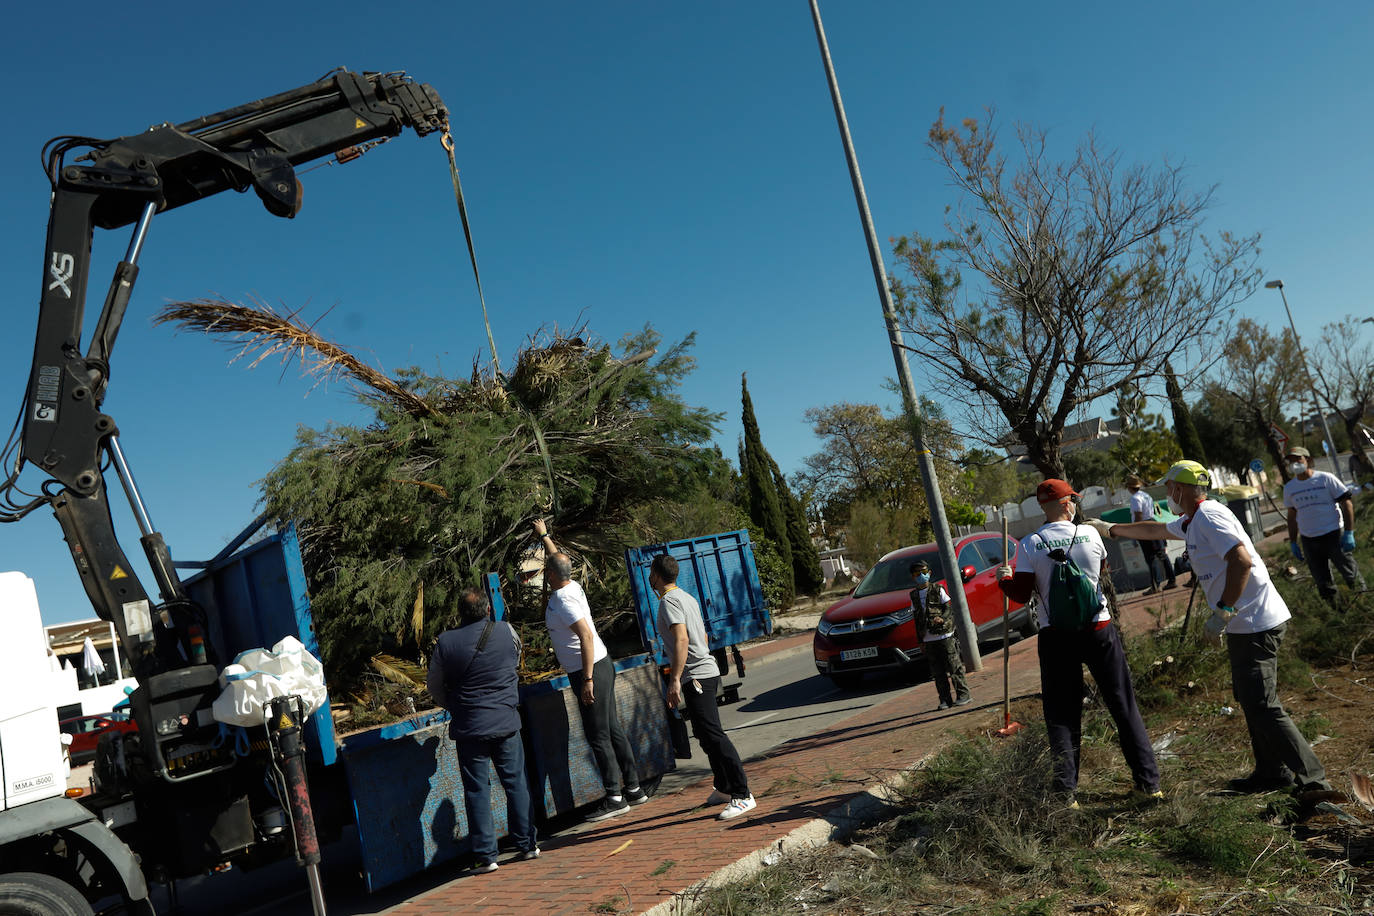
(507,755)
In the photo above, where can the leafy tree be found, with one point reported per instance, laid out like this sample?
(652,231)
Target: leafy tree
(765,505)
(1088,467)
(1262,373)
(875,530)
(1227,429)
(994,480)
(806,560)
(868,456)
(1184,430)
(396,516)
(1147,449)
(1083,266)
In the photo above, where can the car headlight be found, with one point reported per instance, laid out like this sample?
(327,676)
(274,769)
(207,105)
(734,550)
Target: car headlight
(824,627)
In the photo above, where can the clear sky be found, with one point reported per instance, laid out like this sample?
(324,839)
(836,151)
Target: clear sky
(631,162)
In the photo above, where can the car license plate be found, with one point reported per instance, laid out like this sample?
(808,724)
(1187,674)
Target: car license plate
(849,655)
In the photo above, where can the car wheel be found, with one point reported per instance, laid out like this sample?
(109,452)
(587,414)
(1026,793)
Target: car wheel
(848,680)
(24,893)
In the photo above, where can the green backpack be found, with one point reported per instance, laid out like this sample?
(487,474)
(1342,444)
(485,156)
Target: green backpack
(1073,599)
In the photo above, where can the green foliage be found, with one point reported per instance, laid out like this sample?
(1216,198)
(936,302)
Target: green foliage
(765,507)
(1228,430)
(806,559)
(1147,449)
(993,480)
(1184,429)
(874,531)
(1087,467)
(436,499)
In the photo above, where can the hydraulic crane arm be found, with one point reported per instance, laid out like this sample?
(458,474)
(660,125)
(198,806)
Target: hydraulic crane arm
(126,181)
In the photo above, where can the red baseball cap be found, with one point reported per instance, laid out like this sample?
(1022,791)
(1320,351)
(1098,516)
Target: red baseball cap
(1053,489)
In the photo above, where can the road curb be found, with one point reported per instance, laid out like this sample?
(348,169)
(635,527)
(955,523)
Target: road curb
(867,807)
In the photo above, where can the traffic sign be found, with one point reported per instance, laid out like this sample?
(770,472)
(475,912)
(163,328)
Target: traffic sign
(1256,465)
(1279,436)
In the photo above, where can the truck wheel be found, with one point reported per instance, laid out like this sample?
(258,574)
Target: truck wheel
(26,893)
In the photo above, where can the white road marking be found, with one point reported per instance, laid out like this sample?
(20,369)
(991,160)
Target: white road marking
(751,722)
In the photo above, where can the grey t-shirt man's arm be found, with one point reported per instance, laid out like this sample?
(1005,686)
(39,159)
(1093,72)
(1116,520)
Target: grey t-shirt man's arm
(676,606)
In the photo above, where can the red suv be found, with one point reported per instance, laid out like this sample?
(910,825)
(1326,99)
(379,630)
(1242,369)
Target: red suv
(872,629)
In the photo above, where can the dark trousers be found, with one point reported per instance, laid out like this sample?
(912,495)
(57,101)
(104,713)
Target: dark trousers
(1324,551)
(946,667)
(1063,653)
(601,724)
(726,769)
(1155,553)
(476,759)
(1274,739)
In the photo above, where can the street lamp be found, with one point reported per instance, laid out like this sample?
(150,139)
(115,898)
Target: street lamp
(1321,414)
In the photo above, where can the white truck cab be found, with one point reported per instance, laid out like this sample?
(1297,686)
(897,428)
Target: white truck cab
(33,761)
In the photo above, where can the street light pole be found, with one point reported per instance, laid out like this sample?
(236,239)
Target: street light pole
(1321,414)
(954,584)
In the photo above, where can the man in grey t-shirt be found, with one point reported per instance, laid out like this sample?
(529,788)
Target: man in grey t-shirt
(693,680)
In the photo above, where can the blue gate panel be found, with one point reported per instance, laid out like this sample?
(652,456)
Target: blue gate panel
(719,571)
(255,597)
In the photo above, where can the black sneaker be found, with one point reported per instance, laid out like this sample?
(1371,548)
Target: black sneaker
(944,704)
(1255,784)
(963,701)
(636,796)
(609,807)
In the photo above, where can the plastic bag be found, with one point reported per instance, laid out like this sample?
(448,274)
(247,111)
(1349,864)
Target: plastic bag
(259,675)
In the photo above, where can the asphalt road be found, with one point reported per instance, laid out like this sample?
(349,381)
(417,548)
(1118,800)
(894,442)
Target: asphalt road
(782,697)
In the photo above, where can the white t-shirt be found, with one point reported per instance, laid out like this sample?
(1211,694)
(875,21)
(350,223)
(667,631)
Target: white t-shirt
(1315,499)
(1211,534)
(1142,507)
(566,607)
(1084,547)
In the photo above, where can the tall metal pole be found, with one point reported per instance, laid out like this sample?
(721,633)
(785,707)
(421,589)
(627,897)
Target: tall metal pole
(1321,414)
(968,636)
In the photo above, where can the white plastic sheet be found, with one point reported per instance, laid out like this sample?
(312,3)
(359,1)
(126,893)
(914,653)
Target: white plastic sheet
(259,675)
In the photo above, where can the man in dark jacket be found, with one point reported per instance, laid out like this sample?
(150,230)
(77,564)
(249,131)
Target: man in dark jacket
(472,674)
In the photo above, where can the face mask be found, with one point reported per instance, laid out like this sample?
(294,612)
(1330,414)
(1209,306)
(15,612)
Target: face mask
(923,580)
(1296,467)
(1174,507)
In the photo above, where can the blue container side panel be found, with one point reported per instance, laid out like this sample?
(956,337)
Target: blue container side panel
(719,571)
(255,597)
(408,792)
(408,801)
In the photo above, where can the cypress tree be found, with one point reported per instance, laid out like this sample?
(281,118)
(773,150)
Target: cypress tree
(765,509)
(806,561)
(1184,430)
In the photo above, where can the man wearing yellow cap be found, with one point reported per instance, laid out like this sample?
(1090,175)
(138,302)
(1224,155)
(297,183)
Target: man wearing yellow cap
(1253,615)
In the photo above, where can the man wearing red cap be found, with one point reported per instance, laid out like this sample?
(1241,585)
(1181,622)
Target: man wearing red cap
(1059,550)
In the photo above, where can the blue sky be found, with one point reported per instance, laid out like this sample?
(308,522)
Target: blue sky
(632,162)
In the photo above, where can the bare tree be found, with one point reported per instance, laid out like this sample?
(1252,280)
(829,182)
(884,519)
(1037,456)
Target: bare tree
(1091,274)
(1344,363)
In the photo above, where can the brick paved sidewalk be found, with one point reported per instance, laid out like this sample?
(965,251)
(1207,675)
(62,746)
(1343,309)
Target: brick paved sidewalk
(634,862)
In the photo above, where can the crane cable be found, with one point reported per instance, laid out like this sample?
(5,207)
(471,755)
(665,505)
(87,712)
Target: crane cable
(447,140)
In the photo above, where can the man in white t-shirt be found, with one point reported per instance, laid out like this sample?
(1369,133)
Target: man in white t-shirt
(1253,615)
(1143,510)
(1321,524)
(583,655)
(1065,648)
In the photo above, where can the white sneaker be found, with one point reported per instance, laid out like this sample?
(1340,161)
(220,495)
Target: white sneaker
(717,797)
(737,807)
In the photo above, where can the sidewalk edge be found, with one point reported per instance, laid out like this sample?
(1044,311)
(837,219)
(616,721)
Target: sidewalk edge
(863,808)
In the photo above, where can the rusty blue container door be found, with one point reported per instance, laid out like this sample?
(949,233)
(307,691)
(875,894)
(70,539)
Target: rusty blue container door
(719,571)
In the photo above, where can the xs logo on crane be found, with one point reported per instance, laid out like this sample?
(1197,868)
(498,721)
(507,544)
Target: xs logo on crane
(62,268)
